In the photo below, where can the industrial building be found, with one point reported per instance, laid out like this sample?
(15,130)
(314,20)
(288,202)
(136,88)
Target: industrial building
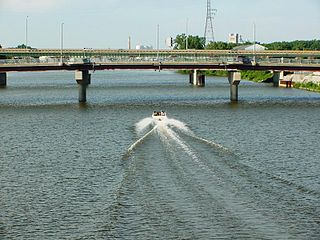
(252,47)
(234,38)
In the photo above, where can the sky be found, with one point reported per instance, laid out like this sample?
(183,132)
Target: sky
(109,23)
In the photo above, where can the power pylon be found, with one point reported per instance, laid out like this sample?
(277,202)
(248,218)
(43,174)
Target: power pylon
(209,30)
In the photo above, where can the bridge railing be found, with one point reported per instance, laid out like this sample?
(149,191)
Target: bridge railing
(166,59)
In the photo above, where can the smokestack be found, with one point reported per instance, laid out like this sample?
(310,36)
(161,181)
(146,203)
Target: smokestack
(129,43)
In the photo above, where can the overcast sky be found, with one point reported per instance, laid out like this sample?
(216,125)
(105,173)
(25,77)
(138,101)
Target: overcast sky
(109,23)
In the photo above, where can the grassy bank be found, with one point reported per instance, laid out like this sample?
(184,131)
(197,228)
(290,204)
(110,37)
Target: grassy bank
(308,86)
(256,76)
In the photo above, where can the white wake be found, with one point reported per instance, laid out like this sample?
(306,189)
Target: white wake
(166,130)
(143,124)
(140,140)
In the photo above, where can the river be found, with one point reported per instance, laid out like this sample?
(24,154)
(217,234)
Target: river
(104,170)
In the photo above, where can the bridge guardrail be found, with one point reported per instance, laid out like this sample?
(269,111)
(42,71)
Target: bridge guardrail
(222,60)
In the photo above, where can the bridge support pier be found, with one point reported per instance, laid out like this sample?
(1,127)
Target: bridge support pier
(3,79)
(83,78)
(276,78)
(234,80)
(197,79)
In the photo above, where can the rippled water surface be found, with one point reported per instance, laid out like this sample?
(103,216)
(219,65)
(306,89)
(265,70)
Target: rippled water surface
(105,170)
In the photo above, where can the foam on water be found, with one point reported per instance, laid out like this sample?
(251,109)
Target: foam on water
(143,124)
(173,135)
(165,130)
(140,140)
(182,126)
(164,126)
(178,124)
(210,143)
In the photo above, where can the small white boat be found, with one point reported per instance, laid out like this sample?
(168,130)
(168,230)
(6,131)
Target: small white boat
(159,116)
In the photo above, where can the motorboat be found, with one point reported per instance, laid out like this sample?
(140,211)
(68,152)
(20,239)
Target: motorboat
(159,116)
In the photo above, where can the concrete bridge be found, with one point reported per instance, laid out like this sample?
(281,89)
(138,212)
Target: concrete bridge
(89,52)
(84,61)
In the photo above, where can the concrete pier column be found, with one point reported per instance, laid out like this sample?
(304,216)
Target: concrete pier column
(234,80)
(3,79)
(83,78)
(197,79)
(276,78)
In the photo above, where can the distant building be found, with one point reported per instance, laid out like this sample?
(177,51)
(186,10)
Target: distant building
(251,47)
(234,38)
(143,47)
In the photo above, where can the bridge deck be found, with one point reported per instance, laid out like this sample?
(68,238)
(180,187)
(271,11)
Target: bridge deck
(159,66)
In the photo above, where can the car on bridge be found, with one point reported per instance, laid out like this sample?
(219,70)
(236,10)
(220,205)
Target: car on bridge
(244,59)
(79,61)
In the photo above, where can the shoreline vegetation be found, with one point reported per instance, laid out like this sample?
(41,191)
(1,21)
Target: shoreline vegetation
(310,86)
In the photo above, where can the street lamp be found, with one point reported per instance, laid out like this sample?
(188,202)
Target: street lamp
(254,42)
(61,44)
(158,41)
(26,32)
(187,29)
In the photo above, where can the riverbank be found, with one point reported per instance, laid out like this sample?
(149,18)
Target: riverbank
(309,87)
(255,76)
(309,82)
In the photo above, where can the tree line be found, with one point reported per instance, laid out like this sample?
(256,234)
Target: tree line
(195,42)
(294,45)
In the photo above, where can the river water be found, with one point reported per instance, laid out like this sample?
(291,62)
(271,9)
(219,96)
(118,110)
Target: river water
(104,170)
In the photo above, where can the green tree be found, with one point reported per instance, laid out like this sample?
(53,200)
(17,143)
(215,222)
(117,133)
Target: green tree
(220,46)
(23,46)
(194,42)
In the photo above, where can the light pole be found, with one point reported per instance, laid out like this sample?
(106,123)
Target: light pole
(26,32)
(254,42)
(158,40)
(61,44)
(187,26)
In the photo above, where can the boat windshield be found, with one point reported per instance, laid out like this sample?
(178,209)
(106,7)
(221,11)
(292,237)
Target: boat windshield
(157,114)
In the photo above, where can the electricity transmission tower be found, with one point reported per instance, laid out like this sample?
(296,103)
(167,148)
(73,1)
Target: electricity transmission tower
(209,30)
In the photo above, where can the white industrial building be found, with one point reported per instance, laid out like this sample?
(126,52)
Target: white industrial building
(143,47)
(252,47)
(234,38)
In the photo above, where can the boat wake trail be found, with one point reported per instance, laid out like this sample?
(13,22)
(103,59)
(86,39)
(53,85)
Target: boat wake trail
(140,140)
(169,130)
(143,124)
(185,130)
(174,136)
(210,143)
(171,172)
